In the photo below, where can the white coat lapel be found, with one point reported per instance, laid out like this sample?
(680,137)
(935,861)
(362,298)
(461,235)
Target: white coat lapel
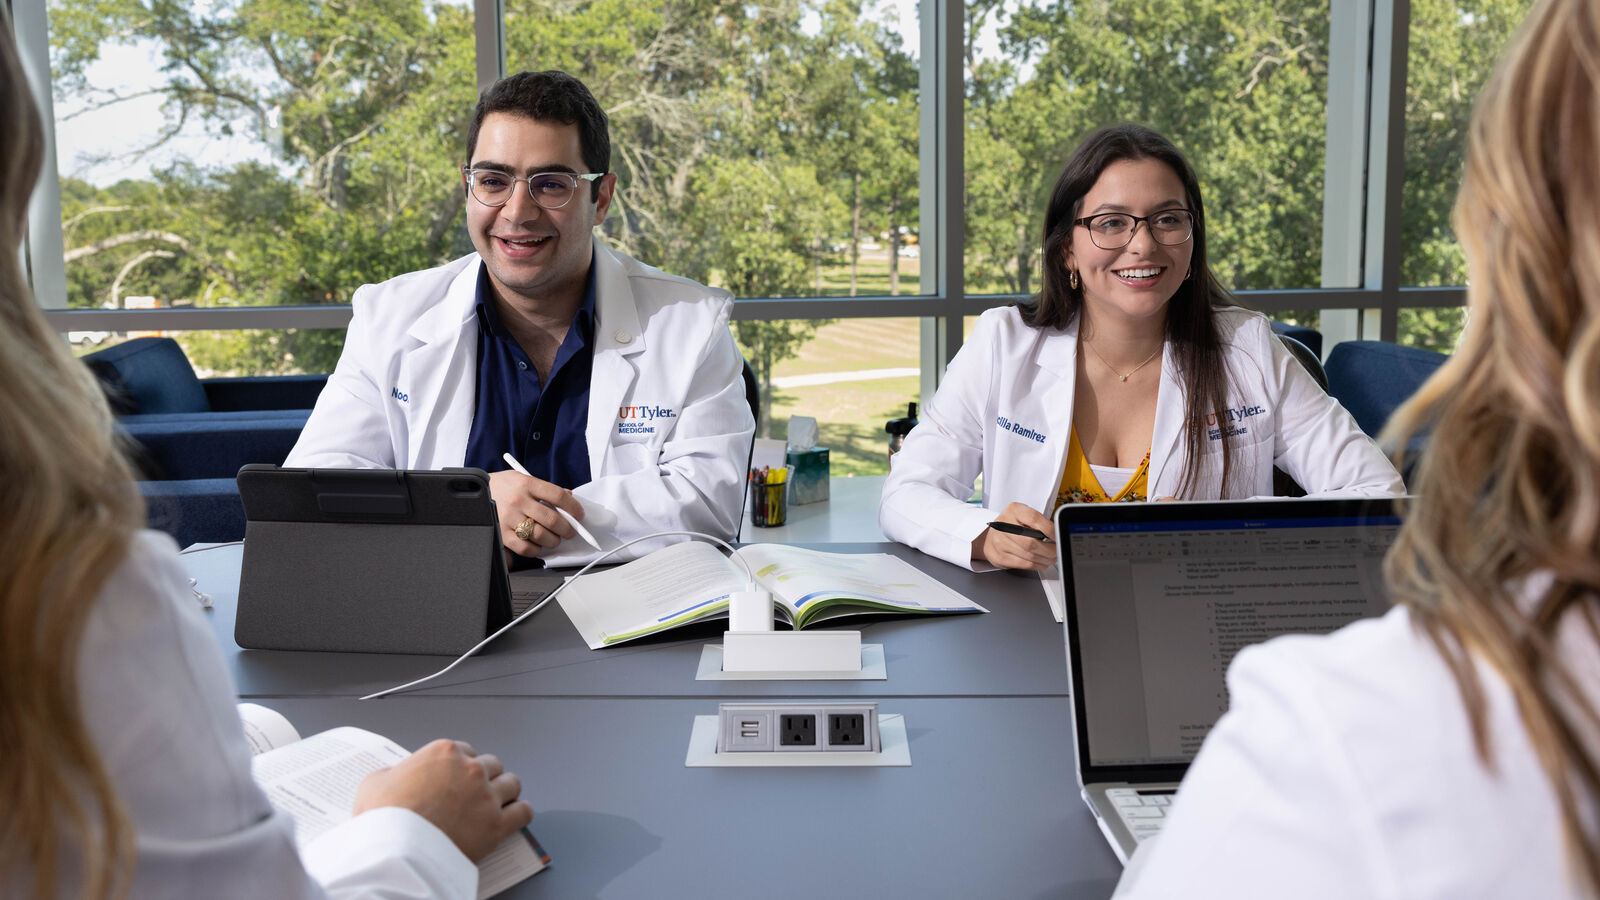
(617,336)
(441,373)
(1057,385)
(1166,464)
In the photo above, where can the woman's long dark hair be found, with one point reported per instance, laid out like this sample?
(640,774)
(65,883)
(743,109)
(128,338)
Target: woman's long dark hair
(1191,326)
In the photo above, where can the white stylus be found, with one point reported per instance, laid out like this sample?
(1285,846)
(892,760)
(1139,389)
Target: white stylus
(576,525)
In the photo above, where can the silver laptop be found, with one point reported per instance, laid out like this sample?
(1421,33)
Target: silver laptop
(1159,598)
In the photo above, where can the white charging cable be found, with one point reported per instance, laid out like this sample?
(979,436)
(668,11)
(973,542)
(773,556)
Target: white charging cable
(541,604)
(202,597)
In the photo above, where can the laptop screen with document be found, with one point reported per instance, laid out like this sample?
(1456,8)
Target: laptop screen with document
(1161,596)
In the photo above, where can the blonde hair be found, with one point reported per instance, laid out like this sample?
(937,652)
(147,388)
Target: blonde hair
(1508,493)
(67,513)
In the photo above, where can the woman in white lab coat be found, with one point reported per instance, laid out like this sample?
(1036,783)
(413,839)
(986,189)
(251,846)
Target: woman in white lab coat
(1451,749)
(123,766)
(1130,377)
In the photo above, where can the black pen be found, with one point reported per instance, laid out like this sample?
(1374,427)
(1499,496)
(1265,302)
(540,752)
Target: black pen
(1022,530)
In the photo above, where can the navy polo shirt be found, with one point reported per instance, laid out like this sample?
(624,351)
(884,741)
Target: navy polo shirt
(542,425)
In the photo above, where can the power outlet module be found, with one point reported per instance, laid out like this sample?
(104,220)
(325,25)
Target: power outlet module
(832,726)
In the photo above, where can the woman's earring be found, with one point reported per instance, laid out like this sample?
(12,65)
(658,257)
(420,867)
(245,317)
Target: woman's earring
(1187,272)
(1072,278)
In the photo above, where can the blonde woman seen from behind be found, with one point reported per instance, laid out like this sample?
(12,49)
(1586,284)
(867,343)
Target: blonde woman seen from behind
(1452,748)
(124,768)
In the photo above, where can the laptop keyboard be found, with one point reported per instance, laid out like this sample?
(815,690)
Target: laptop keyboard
(1143,810)
(521,599)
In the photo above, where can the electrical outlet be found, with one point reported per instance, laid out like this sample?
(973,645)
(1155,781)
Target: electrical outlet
(847,730)
(797,730)
(838,726)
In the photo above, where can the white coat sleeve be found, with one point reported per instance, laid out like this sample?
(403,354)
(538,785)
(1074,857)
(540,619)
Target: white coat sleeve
(349,428)
(390,852)
(1319,444)
(924,498)
(1271,807)
(157,699)
(695,479)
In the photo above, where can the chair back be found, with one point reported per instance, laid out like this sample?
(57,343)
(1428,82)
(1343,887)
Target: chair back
(1372,378)
(1310,337)
(1282,484)
(752,393)
(148,375)
(1307,358)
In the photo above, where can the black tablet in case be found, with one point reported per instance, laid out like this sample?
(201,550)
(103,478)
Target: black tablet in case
(369,560)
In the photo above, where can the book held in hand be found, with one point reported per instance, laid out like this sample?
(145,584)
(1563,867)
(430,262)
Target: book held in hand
(314,780)
(691,581)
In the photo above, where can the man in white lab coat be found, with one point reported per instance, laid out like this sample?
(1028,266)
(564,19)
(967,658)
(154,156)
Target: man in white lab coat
(616,386)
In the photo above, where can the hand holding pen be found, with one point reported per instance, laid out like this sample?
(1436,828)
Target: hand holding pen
(535,515)
(1021,537)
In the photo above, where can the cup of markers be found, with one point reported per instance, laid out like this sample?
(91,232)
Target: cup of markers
(769,496)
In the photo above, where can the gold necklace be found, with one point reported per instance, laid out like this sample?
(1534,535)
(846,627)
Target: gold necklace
(1119,375)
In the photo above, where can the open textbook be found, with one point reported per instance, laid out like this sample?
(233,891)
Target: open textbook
(690,582)
(314,780)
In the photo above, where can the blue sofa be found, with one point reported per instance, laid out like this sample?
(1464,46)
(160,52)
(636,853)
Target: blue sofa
(152,376)
(1372,378)
(189,436)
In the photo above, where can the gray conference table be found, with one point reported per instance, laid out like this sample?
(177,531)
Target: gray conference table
(1014,650)
(988,807)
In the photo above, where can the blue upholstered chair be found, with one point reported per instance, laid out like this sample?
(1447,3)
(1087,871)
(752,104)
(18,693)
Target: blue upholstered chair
(152,376)
(189,436)
(195,510)
(1372,378)
(1310,337)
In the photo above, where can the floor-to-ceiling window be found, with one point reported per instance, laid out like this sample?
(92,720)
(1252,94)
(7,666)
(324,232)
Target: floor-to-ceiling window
(862,175)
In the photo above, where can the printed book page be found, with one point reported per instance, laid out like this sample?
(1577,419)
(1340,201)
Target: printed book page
(691,581)
(677,584)
(815,585)
(314,780)
(265,729)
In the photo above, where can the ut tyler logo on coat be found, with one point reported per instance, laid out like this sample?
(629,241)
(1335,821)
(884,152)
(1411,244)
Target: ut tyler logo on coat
(641,419)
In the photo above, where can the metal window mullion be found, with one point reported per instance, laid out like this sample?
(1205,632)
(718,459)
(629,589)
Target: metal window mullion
(1345,162)
(953,175)
(1391,41)
(941,98)
(489,33)
(45,253)
(199,319)
(1343,203)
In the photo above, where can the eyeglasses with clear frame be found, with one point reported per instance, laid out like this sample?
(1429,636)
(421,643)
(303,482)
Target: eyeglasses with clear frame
(551,190)
(1114,230)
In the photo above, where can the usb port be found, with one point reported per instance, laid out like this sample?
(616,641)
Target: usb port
(750,734)
(749,723)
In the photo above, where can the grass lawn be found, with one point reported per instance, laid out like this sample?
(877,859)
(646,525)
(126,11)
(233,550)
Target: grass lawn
(850,416)
(872,275)
(853,344)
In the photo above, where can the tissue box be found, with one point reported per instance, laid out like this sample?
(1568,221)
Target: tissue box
(808,483)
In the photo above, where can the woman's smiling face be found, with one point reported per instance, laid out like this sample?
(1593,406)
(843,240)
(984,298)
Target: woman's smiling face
(1134,282)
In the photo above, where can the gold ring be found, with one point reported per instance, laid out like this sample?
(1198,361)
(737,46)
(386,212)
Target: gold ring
(524,529)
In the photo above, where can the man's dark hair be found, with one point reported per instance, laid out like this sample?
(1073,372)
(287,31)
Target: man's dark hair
(549,96)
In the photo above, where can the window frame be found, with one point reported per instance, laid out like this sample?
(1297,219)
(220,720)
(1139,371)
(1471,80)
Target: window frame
(1361,297)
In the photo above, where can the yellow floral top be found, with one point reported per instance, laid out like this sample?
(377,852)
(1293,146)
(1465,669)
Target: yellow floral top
(1079,484)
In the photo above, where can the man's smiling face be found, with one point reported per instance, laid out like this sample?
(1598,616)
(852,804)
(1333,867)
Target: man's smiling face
(534,255)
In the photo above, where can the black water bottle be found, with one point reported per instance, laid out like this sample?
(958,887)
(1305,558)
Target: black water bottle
(899,428)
